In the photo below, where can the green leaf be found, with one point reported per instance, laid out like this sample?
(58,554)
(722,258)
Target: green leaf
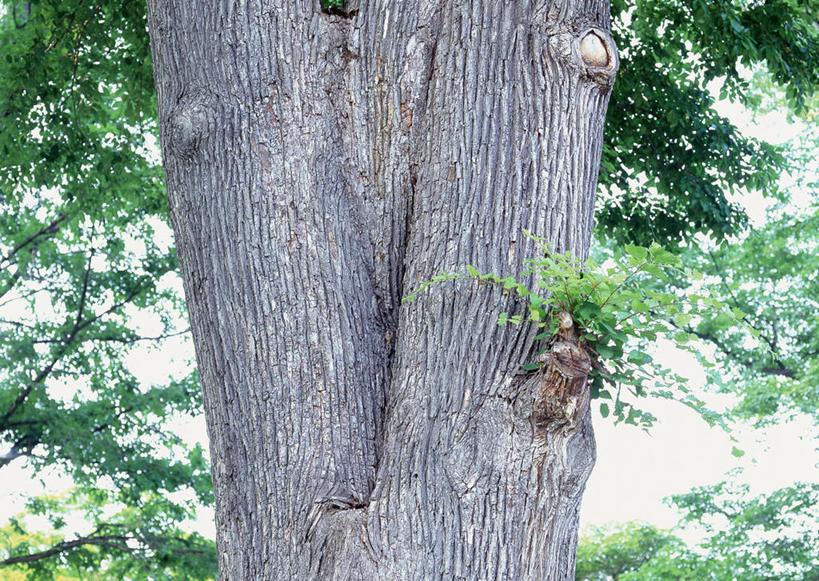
(662,256)
(639,358)
(637,253)
(681,337)
(537,314)
(682,320)
(606,351)
(587,310)
(639,306)
(723,321)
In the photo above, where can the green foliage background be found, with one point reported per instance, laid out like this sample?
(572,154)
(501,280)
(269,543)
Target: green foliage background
(670,161)
(81,202)
(770,537)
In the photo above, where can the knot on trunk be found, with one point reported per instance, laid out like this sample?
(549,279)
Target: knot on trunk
(189,122)
(591,53)
(595,51)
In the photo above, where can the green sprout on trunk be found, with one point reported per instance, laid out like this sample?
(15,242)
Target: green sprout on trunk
(332,5)
(618,308)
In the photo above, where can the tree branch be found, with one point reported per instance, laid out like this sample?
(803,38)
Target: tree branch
(72,335)
(13,454)
(780,369)
(57,39)
(118,542)
(45,230)
(114,542)
(124,340)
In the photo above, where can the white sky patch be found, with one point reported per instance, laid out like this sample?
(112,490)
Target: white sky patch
(635,470)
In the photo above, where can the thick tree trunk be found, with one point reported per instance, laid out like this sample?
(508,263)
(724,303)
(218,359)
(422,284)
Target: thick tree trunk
(319,166)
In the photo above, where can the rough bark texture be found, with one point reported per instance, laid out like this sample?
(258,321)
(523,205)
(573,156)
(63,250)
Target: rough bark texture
(319,166)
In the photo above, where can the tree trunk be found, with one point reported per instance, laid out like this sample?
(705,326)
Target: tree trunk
(319,166)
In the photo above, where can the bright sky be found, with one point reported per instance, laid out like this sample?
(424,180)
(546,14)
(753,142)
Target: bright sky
(635,470)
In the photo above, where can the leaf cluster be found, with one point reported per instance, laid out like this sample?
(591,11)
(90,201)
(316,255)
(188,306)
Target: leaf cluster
(618,308)
(770,276)
(605,553)
(670,161)
(137,542)
(332,5)
(764,538)
(85,254)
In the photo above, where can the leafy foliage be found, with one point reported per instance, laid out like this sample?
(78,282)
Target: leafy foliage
(670,160)
(86,265)
(618,308)
(605,553)
(770,275)
(331,5)
(766,538)
(119,542)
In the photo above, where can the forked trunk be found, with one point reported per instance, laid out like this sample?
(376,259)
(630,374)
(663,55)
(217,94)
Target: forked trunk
(319,166)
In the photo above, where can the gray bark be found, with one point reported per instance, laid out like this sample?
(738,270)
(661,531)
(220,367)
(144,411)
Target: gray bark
(319,166)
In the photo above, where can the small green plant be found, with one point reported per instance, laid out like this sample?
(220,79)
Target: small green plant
(332,5)
(618,308)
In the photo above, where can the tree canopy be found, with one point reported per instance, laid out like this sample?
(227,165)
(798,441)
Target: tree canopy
(760,538)
(82,201)
(85,258)
(671,164)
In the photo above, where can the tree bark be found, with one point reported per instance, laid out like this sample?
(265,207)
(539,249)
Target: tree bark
(319,166)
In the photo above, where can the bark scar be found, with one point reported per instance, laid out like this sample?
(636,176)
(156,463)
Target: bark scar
(563,396)
(594,50)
